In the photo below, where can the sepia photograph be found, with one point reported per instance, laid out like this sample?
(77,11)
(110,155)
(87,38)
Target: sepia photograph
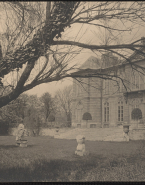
(72,91)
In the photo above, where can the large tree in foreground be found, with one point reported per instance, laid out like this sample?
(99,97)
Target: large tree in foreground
(37,48)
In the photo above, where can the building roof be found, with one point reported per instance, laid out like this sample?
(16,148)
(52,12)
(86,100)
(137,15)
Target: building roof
(137,55)
(91,63)
(107,59)
(109,62)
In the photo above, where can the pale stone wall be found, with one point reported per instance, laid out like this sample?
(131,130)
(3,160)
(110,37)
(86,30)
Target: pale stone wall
(137,134)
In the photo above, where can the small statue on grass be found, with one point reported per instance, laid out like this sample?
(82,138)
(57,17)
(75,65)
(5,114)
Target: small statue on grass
(125,136)
(21,136)
(125,131)
(81,151)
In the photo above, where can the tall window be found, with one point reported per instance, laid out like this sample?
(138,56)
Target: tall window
(74,86)
(88,86)
(106,86)
(120,111)
(79,109)
(121,87)
(106,112)
(142,81)
(79,86)
(135,81)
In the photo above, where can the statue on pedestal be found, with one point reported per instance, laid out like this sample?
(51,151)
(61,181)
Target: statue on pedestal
(21,136)
(80,150)
(125,132)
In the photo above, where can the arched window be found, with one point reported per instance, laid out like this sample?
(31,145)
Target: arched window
(136,114)
(87,116)
(120,111)
(106,112)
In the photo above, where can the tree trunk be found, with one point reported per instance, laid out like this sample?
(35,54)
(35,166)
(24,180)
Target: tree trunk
(69,120)
(37,47)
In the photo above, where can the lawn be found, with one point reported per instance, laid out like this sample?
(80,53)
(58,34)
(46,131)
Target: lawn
(48,159)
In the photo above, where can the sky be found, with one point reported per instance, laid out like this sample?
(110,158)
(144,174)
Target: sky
(52,87)
(84,34)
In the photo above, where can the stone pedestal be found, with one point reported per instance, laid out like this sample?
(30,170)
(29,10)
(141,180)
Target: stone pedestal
(22,143)
(57,131)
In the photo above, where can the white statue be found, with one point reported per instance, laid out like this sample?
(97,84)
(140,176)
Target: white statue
(80,150)
(21,136)
(125,136)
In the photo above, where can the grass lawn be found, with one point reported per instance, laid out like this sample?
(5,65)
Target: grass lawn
(48,159)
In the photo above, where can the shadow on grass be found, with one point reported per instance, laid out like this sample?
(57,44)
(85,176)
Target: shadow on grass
(14,146)
(62,170)
(54,170)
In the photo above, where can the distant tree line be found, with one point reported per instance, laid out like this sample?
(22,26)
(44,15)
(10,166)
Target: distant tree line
(37,112)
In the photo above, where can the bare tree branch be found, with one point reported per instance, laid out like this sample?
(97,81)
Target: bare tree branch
(98,47)
(35,48)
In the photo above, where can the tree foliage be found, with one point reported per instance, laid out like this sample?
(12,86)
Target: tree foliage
(32,120)
(63,102)
(51,118)
(48,105)
(14,112)
(25,109)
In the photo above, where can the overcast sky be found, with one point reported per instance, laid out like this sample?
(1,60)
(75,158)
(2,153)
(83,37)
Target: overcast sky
(52,87)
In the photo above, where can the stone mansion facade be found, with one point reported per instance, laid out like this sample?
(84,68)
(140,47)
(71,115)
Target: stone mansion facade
(110,102)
